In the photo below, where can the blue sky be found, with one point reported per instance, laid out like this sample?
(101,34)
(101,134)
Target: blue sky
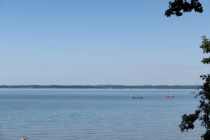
(100,42)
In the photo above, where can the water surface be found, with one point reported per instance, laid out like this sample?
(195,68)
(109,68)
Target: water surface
(52,114)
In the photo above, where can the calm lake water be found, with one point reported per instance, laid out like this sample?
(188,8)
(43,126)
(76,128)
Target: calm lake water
(53,114)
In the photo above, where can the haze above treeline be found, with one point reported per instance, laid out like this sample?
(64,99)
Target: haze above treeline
(101,86)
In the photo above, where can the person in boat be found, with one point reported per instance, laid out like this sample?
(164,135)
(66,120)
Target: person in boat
(137,97)
(170,96)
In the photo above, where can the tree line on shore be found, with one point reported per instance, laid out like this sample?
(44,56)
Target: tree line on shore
(102,86)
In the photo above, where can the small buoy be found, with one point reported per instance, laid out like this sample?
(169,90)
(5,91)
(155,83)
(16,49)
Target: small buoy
(24,138)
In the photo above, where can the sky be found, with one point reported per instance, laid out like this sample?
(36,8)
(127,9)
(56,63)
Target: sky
(90,42)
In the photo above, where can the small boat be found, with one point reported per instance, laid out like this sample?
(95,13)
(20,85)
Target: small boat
(137,97)
(169,96)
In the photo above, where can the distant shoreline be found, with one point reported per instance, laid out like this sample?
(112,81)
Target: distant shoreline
(100,86)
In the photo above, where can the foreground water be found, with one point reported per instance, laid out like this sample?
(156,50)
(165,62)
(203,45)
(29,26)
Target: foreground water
(94,114)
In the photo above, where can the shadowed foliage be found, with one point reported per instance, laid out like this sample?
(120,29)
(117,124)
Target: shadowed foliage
(202,114)
(178,7)
(203,111)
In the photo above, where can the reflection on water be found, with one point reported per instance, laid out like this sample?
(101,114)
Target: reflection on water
(95,114)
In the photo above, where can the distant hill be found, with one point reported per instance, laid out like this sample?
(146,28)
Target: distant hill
(102,86)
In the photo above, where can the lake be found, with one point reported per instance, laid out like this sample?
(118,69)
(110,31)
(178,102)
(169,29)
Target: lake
(90,114)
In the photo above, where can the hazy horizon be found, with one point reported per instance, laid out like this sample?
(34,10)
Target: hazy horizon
(95,42)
